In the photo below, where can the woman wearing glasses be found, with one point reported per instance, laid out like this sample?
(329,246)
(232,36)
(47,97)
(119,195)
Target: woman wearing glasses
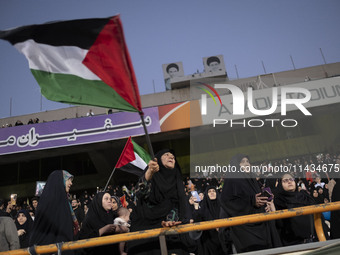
(161,202)
(296,230)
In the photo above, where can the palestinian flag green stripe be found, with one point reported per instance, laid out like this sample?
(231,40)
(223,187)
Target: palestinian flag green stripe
(141,155)
(73,89)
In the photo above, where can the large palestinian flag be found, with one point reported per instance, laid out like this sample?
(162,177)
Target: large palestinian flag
(80,61)
(134,158)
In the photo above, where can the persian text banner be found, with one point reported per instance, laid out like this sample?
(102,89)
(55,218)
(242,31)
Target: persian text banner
(76,131)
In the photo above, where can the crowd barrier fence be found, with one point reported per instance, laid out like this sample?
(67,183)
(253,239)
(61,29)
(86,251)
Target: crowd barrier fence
(316,210)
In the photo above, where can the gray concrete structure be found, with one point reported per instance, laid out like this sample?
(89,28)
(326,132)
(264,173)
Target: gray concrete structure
(180,91)
(102,156)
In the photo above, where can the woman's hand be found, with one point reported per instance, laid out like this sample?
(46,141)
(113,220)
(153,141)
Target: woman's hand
(170,223)
(270,206)
(21,232)
(196,205)
(260,201)
(108,229)
(153,168)
(9,208)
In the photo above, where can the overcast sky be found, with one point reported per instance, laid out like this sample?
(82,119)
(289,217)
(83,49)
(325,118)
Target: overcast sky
(245,32)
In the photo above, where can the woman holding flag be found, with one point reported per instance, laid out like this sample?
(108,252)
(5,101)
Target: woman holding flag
(161,202)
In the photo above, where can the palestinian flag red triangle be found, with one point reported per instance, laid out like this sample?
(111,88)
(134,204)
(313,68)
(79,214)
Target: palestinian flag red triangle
(134,158)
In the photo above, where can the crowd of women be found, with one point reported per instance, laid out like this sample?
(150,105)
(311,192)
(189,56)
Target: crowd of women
(162,198)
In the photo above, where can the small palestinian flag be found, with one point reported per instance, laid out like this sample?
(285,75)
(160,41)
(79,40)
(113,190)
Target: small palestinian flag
(134,159)
(82,61)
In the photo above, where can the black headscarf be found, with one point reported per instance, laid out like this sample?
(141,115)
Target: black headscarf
(319,199)
(209,242)
(211,208)
(335,215)
(244,187)
(27,226)
(119,204)
(96,218)
(296,229)
(53,222)
(291,199)
(286,199)
(167,193)
(237,199)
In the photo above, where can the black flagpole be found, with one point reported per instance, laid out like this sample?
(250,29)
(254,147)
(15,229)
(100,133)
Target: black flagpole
(148,141)
(162,241)
(108,181)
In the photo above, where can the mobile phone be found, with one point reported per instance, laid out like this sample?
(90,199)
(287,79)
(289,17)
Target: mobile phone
(195,195)
(39,187)
(266,192)
(14,199)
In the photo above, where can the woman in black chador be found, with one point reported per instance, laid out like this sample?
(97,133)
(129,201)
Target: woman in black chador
(24,224)
(209,210)
(99,222)
(295,230)
(161,201)
(335,215)
(242,196)
(55,220)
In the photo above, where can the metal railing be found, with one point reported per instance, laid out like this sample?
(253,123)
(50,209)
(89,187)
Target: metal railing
(180,229)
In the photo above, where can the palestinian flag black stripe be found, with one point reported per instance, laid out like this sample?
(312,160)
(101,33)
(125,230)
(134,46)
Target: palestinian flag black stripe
(79,33)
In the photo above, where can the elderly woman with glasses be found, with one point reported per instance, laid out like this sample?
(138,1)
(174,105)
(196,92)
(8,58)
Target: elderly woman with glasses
(296,230)
(161,202)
